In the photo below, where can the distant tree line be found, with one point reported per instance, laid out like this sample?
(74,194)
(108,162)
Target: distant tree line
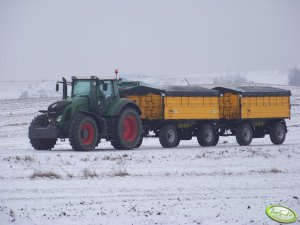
(232,78)
(294,77)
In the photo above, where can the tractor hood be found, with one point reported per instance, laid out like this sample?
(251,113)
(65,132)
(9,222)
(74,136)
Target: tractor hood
(57,108)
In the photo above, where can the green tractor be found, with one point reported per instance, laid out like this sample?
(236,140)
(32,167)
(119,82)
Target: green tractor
(94,111)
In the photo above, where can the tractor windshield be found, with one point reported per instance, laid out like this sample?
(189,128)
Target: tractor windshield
(81,87)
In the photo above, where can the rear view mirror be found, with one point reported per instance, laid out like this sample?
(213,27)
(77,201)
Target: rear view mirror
(57,87)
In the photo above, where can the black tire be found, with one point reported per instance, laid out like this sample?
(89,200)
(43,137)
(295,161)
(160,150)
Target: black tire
(41,143)
(139,143)
(83,133)
(98,141)
(115,145)
(206,135)
(168,136)
(244,134)
(216,140)
(177,143)
(277,133)
(128,130)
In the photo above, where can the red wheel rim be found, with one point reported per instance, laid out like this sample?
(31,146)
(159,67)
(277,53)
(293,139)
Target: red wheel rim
(87,133)
(130,128)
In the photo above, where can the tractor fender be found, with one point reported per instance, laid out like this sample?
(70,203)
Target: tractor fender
(101,122)
(116,109)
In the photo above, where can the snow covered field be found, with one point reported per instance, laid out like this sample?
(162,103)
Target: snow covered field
(226,184)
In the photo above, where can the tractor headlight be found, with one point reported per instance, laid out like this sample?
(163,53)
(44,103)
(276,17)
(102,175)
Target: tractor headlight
(59,119)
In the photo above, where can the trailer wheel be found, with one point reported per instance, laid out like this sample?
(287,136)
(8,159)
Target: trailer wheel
(128,131)
(206,135)
(216,140)
(83,133)
(244,134)
(41,143)
(277,133)
(168,136)
(177,143)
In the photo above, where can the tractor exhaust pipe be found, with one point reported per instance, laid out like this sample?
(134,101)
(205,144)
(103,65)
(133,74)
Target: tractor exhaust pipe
(65,88)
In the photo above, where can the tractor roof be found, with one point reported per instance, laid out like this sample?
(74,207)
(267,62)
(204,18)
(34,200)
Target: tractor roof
(93,78)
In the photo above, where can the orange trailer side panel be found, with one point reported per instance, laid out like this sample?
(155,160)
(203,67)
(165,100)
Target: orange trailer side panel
(265,107)
(230,106)
(188,107)
(150,105)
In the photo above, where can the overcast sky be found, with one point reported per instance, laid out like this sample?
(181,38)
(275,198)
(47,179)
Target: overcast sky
(46,39)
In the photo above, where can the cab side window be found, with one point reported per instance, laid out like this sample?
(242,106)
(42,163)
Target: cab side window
(107,89)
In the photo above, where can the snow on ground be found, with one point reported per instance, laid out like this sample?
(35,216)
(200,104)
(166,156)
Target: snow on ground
(226,184)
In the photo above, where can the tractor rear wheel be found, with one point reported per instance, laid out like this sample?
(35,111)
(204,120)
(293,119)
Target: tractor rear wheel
(244,134)
(129,129)
(168,136)
(41,143)
(206,135)
(83,133)
(277,133)
(139,143)
(115,145)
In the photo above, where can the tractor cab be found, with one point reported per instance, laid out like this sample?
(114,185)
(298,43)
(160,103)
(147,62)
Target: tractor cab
(98,93)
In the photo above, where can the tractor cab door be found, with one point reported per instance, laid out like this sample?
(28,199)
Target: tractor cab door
(106,94)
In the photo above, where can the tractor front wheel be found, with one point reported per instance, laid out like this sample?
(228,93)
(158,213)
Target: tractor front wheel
(41,143)
(83,133)
(129,129)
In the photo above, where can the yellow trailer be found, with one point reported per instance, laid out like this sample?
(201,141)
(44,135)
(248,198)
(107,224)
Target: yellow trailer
(176,102)
(177,113)
(253,111)
(254,102)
